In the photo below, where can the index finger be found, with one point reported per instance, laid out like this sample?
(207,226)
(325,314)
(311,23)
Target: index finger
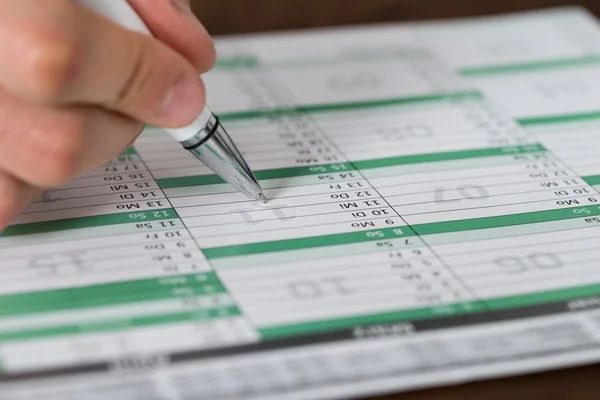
(67,54)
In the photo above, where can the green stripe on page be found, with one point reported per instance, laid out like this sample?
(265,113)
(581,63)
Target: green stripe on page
(200,180)
(110,294)
(390,233)
(346,106)
(88,222)
(308,242)
(497,304)
(242,61)
(506,220)
(236,62)
(449,156)
(559,119)
(118,324)
(349,106)
(270,113)
(531,66)
(593,180)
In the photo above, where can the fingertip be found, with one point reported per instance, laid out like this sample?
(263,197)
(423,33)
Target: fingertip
(206,56)
(183,102)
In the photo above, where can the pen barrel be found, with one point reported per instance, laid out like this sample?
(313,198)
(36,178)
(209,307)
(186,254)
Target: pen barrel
(197,129)
(118,11)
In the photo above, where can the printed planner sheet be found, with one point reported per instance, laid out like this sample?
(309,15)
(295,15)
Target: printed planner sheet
(434,218)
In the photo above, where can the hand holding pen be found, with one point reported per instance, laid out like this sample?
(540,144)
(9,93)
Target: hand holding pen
(76,88)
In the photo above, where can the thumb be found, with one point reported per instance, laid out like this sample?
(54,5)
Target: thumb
(70,55)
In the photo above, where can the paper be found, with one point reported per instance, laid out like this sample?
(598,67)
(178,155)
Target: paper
(434,218)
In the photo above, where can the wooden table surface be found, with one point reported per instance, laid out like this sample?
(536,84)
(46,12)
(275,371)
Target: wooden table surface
(242,16)
(223,17)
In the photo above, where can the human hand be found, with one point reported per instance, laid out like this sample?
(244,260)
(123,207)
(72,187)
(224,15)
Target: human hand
(76,89)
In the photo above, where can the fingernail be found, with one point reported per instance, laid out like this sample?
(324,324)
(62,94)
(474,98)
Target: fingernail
(182,103)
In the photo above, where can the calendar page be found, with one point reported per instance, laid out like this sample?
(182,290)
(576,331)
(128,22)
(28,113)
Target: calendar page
(433,218)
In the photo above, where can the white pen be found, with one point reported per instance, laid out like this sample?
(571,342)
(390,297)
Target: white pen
(205,138)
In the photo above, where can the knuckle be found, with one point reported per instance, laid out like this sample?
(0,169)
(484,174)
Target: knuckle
(50,62)
(59,151)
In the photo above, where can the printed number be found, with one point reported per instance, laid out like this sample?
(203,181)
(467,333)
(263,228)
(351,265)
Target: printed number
(152,247)
(380,234)
(517,265)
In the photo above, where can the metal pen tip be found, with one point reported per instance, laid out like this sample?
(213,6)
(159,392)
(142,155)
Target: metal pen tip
(261,197)
(214,147)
